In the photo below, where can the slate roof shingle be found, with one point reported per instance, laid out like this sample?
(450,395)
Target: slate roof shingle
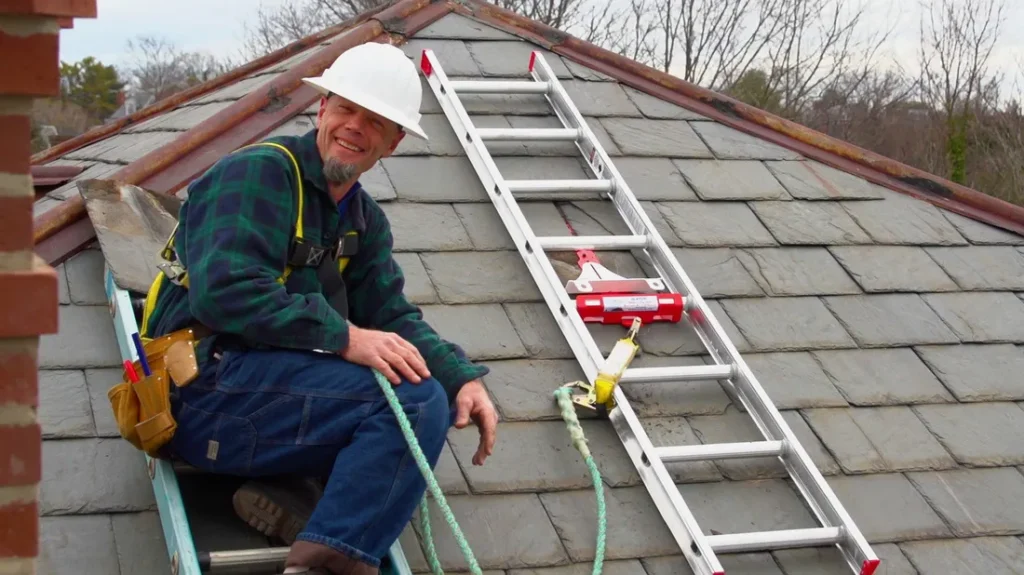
(890,332)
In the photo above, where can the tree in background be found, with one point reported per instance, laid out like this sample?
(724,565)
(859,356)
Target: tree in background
(157,68)
(91,85)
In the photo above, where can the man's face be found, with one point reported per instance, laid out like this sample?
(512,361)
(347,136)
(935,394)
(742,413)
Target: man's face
(351,139)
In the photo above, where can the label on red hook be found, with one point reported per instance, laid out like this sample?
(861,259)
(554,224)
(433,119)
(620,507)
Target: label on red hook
(631,303)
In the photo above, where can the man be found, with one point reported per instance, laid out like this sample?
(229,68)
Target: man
(285,384)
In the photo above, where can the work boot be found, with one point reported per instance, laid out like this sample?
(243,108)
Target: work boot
(278,507)
(323,559)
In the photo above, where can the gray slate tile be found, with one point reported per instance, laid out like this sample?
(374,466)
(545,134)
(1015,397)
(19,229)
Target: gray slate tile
(673,398)
(538,331)
(141,547)
(482,330)
(869,377)
(794,380)
(665,138)
(889,320)
(900,219)
(978,434)
(64,407)
(717,272)
(790,323)
(523,390)
(85,278)
(743,506)
(447,471)
(976,502)
(504,531)
(979,317)
(93,476)
(982,267)
(675,431)
(535,148)
(600,99)
(85,339)
(622,567)
(893,269)
(183,117)
(989,555)
(730,427)
(99,382)
(634,526)
(887,508)
(539,456)
(715,224)
(442,142)
(63,291)
(731,180)
(484,226)
(76,545)
(796,271)
(463,28)
(981,233)
(743,563)
(453,55)
(801,222)
(732,144)
(429,179)
(584,72)
(811,180)
(491,104)
(377,184)
(426,227)
(512,58)
(828,561)
(654,179)
(601,218)
(658,109)
(978,372)
(488,277)
(418,287)
(878,439)
(122,148)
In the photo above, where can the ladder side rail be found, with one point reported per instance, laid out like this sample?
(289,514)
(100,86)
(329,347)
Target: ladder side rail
(682,524)
(558,302)
(819,496)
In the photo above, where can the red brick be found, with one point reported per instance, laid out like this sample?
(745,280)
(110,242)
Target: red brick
(20,454)
(19,530)
(15,146)
(15,222)
(75,8)
(28,302)
(19,375)
(30,64)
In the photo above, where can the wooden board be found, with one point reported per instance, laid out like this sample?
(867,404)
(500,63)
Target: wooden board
(132,225)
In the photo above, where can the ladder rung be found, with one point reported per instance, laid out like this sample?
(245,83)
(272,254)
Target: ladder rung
(768,540)
(678,373)
(592,242)
(528,134)
(499,87)
(540,186)
(681,453)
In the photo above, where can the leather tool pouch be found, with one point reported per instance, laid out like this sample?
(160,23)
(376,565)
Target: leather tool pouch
(142,409)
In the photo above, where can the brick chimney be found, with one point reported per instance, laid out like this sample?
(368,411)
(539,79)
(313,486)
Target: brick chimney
(29,39)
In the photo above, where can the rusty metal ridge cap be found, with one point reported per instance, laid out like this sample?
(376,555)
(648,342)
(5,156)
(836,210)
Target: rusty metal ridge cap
(831,151)
(199,90)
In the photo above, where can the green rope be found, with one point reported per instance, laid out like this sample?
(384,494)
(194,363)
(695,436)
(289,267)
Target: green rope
(580,442)
(435,489)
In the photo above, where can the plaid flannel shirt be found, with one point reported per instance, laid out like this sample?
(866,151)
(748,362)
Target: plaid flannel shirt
(233,238)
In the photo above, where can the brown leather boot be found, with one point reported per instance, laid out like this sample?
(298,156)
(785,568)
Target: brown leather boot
(278,507)
(317,556)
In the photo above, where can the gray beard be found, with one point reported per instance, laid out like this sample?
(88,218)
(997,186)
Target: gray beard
(339,173)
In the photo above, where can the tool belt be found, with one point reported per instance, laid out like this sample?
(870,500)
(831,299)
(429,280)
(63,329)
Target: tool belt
(142,409)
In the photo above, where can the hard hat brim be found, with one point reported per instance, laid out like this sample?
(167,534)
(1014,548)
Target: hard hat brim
(359,98)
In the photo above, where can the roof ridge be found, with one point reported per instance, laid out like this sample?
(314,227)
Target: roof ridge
(753,121)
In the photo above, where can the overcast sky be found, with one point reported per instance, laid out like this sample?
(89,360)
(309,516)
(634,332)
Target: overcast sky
(221,30)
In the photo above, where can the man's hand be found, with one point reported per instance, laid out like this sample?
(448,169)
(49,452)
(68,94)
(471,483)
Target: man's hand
(473,402)
(383,351)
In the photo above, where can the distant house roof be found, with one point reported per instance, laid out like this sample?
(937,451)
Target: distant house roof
(886,324)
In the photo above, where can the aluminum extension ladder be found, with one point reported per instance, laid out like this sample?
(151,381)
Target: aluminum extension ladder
(701,551)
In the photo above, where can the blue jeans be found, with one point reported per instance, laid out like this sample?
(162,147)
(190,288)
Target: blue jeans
(285,412)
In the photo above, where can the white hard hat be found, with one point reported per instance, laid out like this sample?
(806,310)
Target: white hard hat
(378,77)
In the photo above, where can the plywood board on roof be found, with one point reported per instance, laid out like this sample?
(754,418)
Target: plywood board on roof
(132,224)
